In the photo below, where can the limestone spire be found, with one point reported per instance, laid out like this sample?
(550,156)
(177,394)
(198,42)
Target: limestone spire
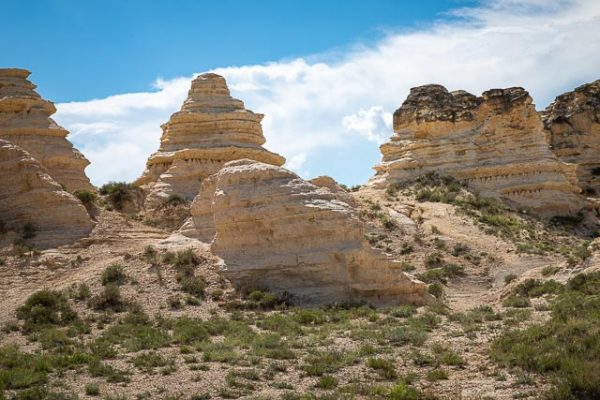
(211,129)
(25,121)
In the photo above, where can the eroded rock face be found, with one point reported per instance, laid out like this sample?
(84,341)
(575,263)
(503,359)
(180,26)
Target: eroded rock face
(29,195)
(25,121)
(211,129)
(495,143)
(273,229)
(573,125)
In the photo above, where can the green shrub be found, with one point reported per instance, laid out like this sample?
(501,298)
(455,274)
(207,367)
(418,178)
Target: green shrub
(147,362)
(509,278)
(434,260)
(109,300)
(85,196)
(536,288)
(174,200)
(516,301)
(566,348)
(404,311)
(402,391)
(437,375)
(114,275)
(92,389)
(28,231)
(436,289)
(193,285)
(326,382)
(460,249)
(46,308)
(117,193)
(383,366)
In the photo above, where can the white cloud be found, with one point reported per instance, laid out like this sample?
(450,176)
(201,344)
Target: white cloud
(330,113)
(296,162)
(374,124)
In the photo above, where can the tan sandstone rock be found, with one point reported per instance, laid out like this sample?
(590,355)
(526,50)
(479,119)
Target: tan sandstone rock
(29,195)
(211,129)
(275,230)
(573,125)
(25,121)
(495,143)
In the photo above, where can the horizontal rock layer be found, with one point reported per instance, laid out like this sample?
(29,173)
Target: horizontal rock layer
(495,143)
(572,122)
(211,129)
(25,121)
(29,195)
(275,230)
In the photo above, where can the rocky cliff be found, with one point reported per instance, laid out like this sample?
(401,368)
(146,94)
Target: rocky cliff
(30,197)
(25,121)
(496,143)
(573,125)
(211,129)
(275,230)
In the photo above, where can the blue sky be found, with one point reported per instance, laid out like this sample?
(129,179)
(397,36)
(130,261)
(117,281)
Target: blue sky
(80,50)
(327,74)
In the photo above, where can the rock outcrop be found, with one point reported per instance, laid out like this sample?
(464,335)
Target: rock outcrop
(25,121)
(275,230)
(496,143)
(211,129)
(573,125)
(30,196)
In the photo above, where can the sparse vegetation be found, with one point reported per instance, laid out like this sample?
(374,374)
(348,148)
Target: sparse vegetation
(566,347)
(87,197)
(118,193)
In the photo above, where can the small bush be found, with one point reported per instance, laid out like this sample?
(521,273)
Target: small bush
(516,301)
(193,285)
(403,392)
(46,307)
(434,260)
(174,200)
(384,367)
(117,193)
(565,348)
(92,389)
(114,275)
(437,375)
(436,289)
(460,249)
(28,231)
(85,196)
(509,278)
(109,300)
(326,382)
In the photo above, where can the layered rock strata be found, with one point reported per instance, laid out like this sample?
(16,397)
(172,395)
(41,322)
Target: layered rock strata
(496,143)
(211,129)
(275,230)
(573,125)
(30,196)
(25,121)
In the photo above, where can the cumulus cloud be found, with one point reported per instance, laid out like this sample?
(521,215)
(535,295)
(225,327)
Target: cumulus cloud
(327,115)
(374,124)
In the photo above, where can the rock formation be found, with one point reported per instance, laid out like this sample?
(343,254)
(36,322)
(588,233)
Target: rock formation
(273,229)
(573,125)
(211,129)
(29,196)
(495,143)
(25,121)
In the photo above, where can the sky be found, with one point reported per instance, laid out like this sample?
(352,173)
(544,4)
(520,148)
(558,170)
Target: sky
(327,74)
